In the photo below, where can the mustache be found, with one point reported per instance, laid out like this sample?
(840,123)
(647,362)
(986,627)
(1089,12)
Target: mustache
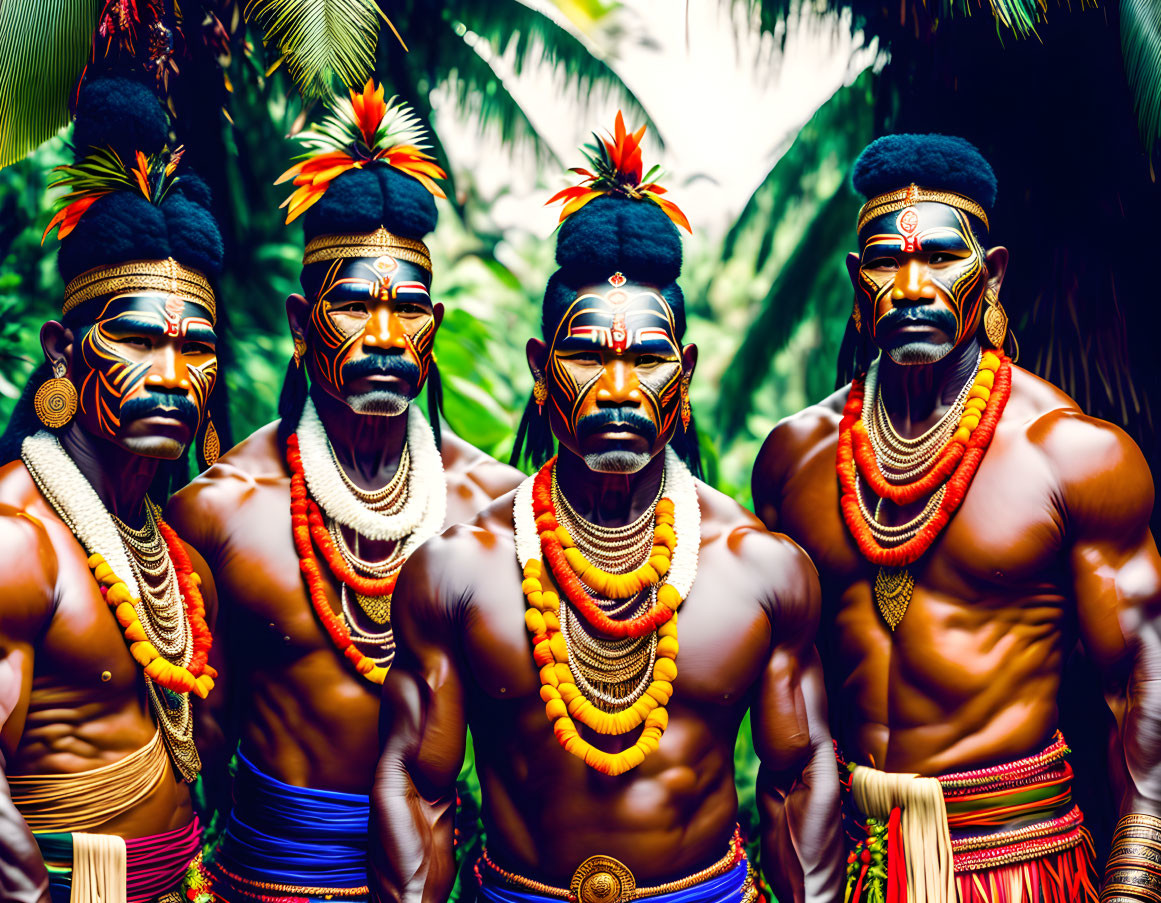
(623,418)
(898,317)
(150,404)
(381,365)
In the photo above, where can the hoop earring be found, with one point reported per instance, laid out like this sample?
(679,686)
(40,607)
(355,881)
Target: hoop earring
(211,444)
(995,319)
(55,401)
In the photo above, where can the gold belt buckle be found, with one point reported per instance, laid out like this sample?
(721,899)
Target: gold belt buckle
(602,879)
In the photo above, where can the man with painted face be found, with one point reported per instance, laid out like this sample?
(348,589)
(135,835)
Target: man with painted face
(307,522)
(979,525)
(562,600)
(103,630)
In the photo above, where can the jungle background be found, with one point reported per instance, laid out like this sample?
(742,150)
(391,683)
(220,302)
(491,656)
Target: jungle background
(757,109)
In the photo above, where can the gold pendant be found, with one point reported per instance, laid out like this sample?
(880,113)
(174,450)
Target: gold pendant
(377,608)
(602,879)
(893,589)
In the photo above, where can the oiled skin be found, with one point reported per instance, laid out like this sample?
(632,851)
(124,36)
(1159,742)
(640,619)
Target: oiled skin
(1051,543)
(57,637)
(302,713)
(746,641)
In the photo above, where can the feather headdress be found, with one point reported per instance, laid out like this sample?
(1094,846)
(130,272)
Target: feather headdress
(617,170)
(102,172)
(365,130)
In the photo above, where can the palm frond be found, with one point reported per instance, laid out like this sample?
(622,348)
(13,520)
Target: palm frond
(808,274)
(533,38)
(43,48)
(320,40)
(1141,49)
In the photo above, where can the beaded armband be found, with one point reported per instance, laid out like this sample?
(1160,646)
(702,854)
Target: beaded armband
(1133,872)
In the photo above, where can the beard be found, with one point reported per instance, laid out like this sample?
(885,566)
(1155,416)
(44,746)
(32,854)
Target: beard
(382,402)
(616,460)
(905,350)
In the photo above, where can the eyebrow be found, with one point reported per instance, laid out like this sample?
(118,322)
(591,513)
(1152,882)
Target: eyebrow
(135,322)
(199,333)
(943,238)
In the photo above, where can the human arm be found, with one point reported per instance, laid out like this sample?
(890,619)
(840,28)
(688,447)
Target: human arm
(1106,494)
(193,519)
(29,567)
(423,733)
(798,782)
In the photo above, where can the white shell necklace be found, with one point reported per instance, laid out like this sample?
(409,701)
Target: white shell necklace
(421,516)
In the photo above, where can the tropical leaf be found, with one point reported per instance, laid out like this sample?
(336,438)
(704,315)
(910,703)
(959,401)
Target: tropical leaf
(319,39)
(797,287)
(1141,49)
(43,48)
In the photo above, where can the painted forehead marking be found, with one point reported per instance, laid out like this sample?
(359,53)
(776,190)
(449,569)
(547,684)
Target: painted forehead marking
(618,319)
(907,234)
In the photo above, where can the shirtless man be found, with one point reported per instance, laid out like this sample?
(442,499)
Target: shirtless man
(945,640)
(95,690)
(357,458)
(592,801)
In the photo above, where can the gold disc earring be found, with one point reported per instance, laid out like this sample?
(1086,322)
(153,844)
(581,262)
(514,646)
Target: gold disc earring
(995,319)
(55,401)
(211,445)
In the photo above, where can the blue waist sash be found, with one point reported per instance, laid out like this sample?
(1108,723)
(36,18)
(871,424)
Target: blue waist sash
(725,888)
(282,834)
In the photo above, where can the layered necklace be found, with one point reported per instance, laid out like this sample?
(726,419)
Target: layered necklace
(607,651)
(163,617)
(938,465)
(323,500)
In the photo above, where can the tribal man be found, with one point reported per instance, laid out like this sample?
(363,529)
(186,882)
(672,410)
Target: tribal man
(306,523)
(96,588)
(979,524)
(562,600)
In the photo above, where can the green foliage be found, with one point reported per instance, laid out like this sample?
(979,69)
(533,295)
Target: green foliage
(43,51)
(1141,47)
(320,40)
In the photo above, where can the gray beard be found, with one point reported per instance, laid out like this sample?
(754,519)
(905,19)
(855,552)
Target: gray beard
(920,353)
(379,403)
(616,461)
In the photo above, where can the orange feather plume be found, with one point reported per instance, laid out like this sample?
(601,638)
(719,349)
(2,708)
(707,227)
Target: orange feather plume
(617,170)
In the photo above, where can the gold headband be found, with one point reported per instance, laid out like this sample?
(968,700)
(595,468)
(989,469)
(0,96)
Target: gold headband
(166,276)
(913,194)
(369,244)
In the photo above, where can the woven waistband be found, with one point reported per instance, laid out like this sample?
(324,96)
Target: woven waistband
(72,803)
(735,856)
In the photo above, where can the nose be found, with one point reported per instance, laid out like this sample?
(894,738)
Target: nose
(912,283)
(383,329)
(618,385)
(170,372)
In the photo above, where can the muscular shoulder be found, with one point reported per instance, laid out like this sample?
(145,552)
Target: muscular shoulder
(463,461)
(791,445)
(441,577)
(28,561)
(784,579)
(242,474)
(1101,476)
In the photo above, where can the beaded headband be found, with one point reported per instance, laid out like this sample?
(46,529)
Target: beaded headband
(368,244)
(913,194)
(167,276)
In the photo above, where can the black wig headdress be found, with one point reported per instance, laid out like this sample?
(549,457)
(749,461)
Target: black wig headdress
(365,183)
(896,171)
(614,221)
(130,209)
